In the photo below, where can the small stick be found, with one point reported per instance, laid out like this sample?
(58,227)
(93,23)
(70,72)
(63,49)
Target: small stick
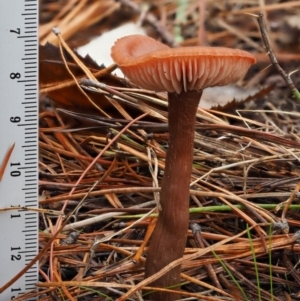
(149,17)
(273,59)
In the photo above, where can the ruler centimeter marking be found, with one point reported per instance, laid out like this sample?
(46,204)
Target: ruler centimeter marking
(19,144)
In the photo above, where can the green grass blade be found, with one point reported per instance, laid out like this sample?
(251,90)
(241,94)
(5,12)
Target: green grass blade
(255,264)
(231,276)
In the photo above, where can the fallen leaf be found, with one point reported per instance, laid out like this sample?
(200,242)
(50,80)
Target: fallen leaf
(54,77)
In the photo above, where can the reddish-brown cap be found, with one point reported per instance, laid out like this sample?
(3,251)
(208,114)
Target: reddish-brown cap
(155,66)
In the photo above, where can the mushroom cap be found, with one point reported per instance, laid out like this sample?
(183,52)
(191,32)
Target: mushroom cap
(155,66)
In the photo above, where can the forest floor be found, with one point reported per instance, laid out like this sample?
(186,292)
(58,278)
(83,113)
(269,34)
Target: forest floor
(99,180)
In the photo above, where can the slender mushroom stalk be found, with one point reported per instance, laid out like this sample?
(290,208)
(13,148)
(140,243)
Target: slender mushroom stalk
(169,237)
(184,73)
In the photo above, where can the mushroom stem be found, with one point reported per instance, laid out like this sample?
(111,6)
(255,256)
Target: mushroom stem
(169,237)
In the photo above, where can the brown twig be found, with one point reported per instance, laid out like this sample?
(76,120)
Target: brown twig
(273,59)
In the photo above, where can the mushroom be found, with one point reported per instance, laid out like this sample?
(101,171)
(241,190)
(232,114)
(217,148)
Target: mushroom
(184,73)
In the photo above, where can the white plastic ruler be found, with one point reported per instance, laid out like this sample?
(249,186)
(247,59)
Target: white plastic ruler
(18,143)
